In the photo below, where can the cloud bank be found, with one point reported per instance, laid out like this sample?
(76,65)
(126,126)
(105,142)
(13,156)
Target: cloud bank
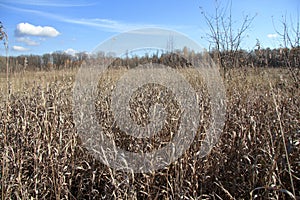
(275,35)
(27,41)
(19,48)
(71,51)
(32,30)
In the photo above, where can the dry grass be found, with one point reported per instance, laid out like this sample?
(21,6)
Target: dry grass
(43,158)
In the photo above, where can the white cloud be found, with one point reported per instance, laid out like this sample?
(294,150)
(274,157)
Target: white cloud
(29,29)
(71,51)
(275,35)
(19,48)
(27,41)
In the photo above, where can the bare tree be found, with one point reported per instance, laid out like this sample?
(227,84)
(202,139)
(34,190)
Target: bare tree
(290,34)
(226,40)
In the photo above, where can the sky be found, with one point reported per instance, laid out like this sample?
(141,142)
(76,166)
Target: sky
(45,26)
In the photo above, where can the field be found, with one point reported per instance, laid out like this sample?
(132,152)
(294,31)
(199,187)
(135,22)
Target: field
(257,155)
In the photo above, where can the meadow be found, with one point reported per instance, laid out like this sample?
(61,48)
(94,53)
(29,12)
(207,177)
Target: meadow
(257,156)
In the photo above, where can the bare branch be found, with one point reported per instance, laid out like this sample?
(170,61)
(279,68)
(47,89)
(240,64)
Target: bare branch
(225,39)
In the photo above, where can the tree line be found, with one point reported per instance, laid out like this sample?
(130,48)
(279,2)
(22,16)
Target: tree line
(49,61)
(279,57)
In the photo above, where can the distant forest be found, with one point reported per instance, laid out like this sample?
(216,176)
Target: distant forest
(281,57)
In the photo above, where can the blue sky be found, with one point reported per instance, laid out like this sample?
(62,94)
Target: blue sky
(38,27)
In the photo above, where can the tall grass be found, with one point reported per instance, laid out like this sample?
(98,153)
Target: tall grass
(257,155)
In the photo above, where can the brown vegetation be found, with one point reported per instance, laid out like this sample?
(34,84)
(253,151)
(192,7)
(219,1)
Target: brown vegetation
(257,155)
